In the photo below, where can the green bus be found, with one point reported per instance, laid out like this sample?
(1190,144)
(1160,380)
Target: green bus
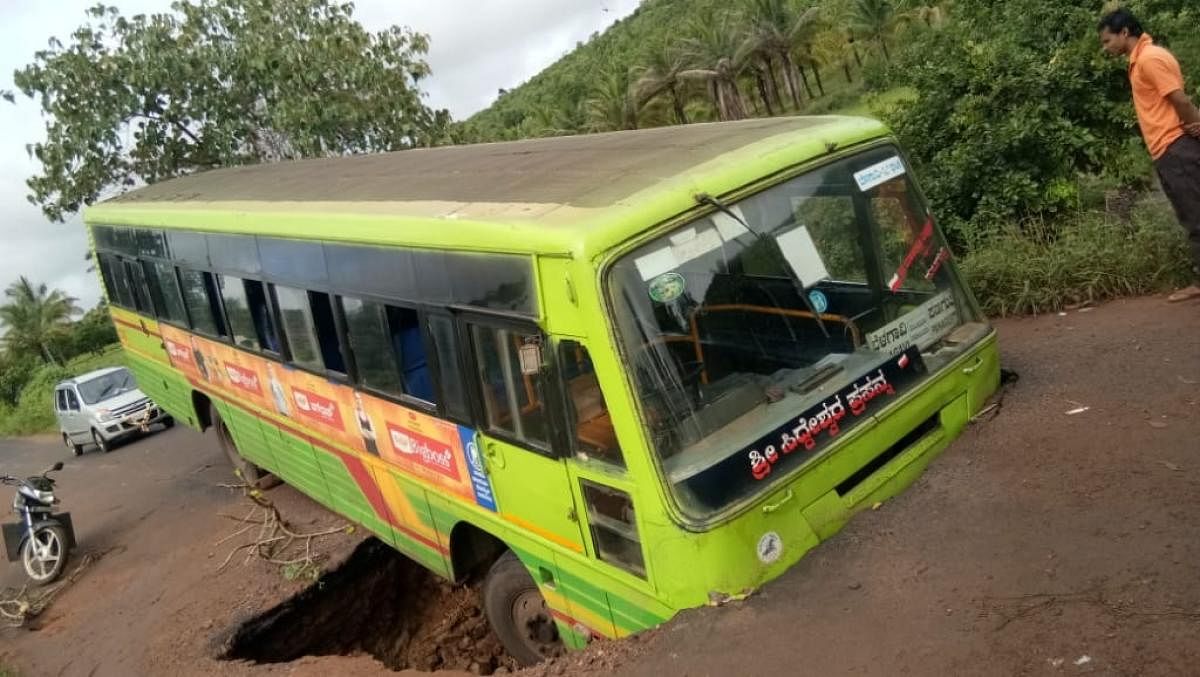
(622,375)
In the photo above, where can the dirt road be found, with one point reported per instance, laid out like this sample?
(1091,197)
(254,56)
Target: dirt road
(1039,543)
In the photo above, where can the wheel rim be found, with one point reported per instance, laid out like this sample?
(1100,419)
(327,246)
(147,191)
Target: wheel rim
(534,624)
(100,443)
(41,567)
(67,441)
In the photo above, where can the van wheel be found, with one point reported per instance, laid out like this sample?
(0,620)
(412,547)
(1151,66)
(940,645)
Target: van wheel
(252,475)
(102,444)
(75,448)
(518,613)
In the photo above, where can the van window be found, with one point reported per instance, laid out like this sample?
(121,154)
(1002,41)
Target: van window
(60,400)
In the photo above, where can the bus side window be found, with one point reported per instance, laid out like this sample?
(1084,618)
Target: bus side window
(514,402)
(409,343)
(449,370)
(248,314)
(202,302)
(310,329)
(591,425)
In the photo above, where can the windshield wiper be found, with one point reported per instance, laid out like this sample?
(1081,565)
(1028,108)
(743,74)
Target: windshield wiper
(706,199)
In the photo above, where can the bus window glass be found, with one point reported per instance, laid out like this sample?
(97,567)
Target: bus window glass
(297,327)
(409,343)
(108,274)
(371,344)
(450,376)
(260,313)
(801,302)
(138,288)
(166,285)
(326,330)
(592,427)
(513,398)
(201,302)
(237,310)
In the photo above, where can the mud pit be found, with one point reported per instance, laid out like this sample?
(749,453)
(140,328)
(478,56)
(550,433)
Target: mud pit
(378,603)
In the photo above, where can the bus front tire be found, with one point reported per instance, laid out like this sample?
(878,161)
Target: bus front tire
(252,475)
(518,613)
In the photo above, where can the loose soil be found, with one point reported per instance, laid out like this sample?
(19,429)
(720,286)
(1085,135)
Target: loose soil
(380,603)
(1041,542)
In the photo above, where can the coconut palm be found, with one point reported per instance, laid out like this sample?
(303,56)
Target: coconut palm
(33,317)
(875,20)
(775,31)
(613,104)
(715,53)
(659,75)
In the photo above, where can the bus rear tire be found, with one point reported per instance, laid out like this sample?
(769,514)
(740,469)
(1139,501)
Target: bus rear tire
(518,613)
(252,475)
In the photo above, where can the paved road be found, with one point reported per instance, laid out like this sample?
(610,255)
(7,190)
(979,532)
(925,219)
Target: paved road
(107,494)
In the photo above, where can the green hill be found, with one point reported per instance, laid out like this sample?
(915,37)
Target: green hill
(609,82)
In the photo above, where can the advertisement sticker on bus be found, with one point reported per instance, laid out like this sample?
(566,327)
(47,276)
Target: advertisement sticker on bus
(481,484)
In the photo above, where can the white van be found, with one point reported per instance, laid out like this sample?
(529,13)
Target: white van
(103,407)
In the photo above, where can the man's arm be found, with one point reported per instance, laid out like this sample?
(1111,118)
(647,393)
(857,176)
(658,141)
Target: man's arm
(1187,111)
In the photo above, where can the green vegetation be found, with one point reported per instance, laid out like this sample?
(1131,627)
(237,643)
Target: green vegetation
(41,345)
(216,83)
(1021,128)
(32,412)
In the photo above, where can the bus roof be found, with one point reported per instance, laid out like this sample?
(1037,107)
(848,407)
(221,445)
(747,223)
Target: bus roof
(547,195)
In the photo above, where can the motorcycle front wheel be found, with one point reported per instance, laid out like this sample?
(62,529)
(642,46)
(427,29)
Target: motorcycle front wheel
(44,567)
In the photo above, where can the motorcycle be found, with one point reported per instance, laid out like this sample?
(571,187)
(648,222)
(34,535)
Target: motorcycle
(42,540)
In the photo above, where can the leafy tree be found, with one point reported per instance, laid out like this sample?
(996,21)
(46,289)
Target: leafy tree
(1007,119)
(33,317)
(215,83)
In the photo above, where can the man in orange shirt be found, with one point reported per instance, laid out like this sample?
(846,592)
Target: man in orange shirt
(1170,124)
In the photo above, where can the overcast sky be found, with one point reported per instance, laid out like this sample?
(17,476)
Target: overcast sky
(478,46)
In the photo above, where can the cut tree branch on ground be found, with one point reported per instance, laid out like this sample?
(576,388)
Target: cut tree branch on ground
(19,606)
(274,540)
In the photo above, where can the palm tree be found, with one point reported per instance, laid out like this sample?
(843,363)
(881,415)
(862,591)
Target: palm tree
(775,30)
(660,75)
(33,317)
(716,58)
(875,20)
(613,105)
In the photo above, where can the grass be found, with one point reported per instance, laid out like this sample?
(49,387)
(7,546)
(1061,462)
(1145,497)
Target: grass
(34,411)
(1087,258)
(111,356)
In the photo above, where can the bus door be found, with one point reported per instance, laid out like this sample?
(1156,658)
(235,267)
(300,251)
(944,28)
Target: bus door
(532,489)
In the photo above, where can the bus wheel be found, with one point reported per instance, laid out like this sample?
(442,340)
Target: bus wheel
(518,613)
(252,475)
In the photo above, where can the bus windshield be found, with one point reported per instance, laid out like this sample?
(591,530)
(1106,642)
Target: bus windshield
(760,333)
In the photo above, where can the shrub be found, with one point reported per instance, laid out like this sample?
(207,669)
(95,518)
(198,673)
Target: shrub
(1015,99)
(1088,258)
(34,412)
